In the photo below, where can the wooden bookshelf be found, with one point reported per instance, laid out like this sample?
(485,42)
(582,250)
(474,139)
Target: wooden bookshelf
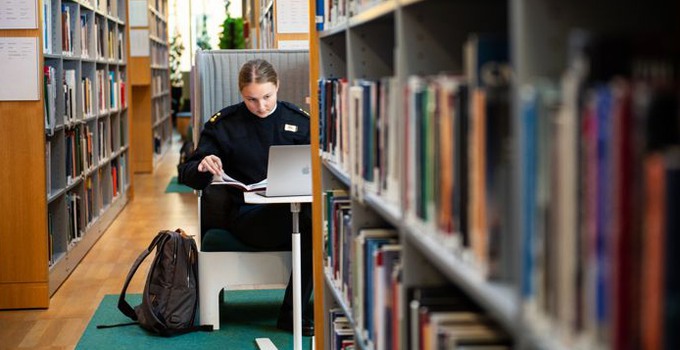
(74,140)
(522,252)
(24,273)
(152,123)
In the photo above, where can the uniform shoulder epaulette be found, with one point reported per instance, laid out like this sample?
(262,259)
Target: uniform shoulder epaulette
(222,113)
(295,108)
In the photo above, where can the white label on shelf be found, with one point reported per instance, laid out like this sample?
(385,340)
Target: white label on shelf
(20,83)
(18,14)
(139,13)
(292,16)
(139,42)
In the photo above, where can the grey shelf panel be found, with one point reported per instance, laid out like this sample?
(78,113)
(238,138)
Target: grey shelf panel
(64,265)
(359,339)
(498,300)
(337,172)
(374,12)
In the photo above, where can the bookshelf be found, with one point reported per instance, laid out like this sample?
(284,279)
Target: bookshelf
(513,153)
(150,80)
(80,123)
(268,31)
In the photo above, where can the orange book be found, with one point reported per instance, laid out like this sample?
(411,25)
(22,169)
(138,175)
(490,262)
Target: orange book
(653,253)
(446,152)
(477,162)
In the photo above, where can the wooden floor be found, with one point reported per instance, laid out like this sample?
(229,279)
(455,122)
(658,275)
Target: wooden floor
(104,268)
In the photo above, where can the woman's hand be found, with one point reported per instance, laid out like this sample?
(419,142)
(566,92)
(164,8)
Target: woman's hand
(211,163)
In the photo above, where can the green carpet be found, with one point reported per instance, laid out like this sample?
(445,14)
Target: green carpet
(176,187)
(244,316)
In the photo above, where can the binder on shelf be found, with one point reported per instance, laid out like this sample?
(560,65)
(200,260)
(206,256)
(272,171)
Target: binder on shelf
(50,91)
(47,26)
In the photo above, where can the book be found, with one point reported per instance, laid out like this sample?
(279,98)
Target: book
(671,243)
(423,300)
(384,259)
(367,241)
(653,253)
(224,179)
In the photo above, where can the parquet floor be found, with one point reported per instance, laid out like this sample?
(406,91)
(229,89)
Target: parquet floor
(104,268)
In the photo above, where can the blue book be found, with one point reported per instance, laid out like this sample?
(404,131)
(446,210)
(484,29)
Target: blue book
(528,154)
(604,204)
(368,129)
(320,14)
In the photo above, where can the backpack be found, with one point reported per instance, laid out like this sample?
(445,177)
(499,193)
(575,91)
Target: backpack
(170,298)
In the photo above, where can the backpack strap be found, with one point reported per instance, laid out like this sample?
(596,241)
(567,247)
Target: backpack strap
(172,332)
(123,305)
(102,326)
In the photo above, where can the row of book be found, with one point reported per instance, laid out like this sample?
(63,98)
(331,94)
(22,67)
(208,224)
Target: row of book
(358,132)
(160,82)
(159,55)
(108,88)
(333,13)
(364,266)
(600,158)
(158,28)
(109,7)
(83,205)
(599,165)
(267,31)
(341,335)
(109,41)
(441,317)
(80,151)
(75,227)
(50,93)
(161,108)
(118,176)
(441,155)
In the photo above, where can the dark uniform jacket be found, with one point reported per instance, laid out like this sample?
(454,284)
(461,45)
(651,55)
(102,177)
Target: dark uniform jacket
(241,140)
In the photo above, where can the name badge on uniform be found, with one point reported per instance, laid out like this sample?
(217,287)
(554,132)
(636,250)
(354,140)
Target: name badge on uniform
(289,127)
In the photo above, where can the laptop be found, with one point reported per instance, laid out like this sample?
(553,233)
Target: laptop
(289,171)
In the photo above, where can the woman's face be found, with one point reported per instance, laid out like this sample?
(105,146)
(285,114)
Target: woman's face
(260,98)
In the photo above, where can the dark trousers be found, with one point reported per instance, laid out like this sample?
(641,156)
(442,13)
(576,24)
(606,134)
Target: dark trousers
(270,226)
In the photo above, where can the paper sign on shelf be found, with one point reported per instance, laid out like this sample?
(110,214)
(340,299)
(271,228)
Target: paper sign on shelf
(20,83)
(292,16)
(18,14)
(139,43)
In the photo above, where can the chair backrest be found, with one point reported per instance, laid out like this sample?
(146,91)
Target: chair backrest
(215,84)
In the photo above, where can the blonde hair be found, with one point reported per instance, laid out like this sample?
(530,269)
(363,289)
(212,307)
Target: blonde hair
(257,71)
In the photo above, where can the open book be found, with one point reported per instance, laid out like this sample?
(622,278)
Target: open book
(225,179)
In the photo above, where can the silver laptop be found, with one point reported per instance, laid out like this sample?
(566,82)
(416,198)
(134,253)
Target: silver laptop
(289,171)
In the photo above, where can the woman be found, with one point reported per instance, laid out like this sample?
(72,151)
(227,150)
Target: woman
(236,140)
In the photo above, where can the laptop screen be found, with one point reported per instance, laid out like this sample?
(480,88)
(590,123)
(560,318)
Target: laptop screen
(289,171)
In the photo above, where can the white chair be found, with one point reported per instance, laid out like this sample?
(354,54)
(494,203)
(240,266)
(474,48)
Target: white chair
(240,267)
(234,265)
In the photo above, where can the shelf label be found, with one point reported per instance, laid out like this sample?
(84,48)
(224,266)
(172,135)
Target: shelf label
(20,83)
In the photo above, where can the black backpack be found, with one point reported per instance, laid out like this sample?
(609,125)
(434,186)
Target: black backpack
(170,298)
